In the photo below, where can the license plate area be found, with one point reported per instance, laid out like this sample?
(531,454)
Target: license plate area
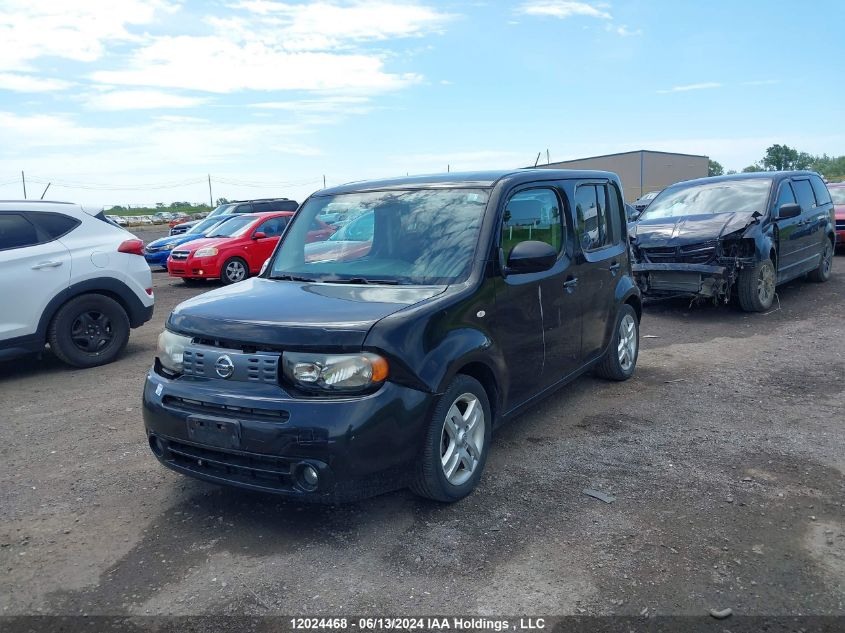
(214,431)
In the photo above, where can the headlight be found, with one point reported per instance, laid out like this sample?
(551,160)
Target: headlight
(170,349)
(334,372)
(206,252)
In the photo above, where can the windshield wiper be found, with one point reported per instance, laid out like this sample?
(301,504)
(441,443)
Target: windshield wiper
(362,280)
(291,278)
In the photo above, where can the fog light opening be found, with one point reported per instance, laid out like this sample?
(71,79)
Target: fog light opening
(156,446)
(308,477)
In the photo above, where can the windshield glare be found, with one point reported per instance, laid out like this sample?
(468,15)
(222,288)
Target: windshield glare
(838,195)
(409,237)
(204,225)
(725,196)
(235,227)
(221,209)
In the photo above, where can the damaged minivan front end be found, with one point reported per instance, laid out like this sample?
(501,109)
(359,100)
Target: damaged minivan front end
(682,248)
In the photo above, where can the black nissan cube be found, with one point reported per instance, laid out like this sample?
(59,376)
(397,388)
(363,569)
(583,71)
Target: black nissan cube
(384,356)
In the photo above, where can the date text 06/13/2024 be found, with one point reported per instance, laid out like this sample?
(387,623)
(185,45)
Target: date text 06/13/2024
(418,624)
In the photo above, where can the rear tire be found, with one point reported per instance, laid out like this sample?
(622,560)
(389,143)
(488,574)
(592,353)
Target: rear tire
(756,287)
(822,273)
(88,331)
(234,270)
(456,444)
(620,360)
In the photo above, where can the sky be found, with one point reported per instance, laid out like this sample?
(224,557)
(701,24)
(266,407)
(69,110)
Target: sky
(138,101)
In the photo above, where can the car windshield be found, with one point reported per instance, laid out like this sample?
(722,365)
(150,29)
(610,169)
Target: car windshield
(220,210)
(234,227)
(723,196)
(204,225)
(838,195)
(421,237)
(358,230)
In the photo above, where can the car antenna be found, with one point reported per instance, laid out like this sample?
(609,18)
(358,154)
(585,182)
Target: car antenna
(537,160)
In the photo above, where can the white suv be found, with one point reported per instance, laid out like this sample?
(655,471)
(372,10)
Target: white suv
(70,278)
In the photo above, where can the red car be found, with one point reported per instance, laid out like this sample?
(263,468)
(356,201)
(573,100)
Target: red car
(837,192)
(237,248)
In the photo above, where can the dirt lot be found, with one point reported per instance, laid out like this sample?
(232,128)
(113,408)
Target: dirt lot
(726,454)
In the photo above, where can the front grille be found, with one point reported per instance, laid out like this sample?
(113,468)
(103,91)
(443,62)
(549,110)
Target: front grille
(191,406)
(180,255)
(198,362)
(700,253)
(249,468)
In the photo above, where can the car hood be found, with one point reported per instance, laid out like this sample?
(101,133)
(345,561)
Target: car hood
(275,313)
(688,229)
(206,242)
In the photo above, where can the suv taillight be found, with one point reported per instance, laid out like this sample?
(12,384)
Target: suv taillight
(133,247)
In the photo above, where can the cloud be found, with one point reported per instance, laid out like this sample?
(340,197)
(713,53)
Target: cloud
(563,9)
(140,100)
(342,104)
(702,86)
(78,30)
(624,31)
(30,83)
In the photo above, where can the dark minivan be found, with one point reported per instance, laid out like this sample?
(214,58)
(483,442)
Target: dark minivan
(386,359)
(738,235)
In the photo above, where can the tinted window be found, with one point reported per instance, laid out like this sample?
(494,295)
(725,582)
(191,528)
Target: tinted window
(55,225)
(243,208)
(262,207)
(804,193)
(615,213)
(16,231)
(591,216)
(533,214)
(785,195)
(819,188)
(273,227)
(283,205)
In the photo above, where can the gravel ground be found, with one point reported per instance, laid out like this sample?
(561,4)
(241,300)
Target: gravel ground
(725,453)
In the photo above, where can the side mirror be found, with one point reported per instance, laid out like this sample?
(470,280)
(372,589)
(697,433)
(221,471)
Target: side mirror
(259,235)
(789,210)
(631,213)
(531,256)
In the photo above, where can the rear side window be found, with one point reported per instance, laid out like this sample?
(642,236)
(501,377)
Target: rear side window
(533,214)
(54,225)
(804,193)
(16,231)
(591,215)
(616,213)
(819,188)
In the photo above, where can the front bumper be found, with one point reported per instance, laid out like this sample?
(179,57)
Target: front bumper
(194,268)
(158,258)
(679,279)
(257,436)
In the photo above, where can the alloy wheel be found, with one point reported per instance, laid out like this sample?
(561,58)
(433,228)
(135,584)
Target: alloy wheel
(627,348)
(462,439)
(766,285)
(91,331)
(827,259)
(235,271)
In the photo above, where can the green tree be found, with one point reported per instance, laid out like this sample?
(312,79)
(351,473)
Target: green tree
(222,201)
(753,167)
(714,168)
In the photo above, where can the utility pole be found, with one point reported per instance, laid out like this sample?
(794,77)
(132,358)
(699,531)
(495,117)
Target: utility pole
(23,181)
(324,181)
(210,197)
(448,168)
(548,160)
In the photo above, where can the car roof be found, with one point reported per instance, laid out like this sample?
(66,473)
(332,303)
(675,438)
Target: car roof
(34,205)
(754,175)
(470,179)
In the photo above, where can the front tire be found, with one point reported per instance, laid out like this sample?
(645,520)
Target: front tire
(456,443)
(756,287)
(620,360)
(822,273)
(234,270)
(88,331)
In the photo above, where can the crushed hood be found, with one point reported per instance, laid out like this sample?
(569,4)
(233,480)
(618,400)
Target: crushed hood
(688,229)
(276,313)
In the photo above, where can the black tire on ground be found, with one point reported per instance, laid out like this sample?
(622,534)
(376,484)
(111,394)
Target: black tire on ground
(620,362)
(226,275)
(430,479)
(88,331)
(822,273)
(756,286)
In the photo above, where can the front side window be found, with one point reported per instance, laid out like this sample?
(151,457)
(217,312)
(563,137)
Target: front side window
(273,227)
(533,214)
(244,208)
(426,236)
(785,195)
(592,217)
(804,193)
(16,231)
(724,196)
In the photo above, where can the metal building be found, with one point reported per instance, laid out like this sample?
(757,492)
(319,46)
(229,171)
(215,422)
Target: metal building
(643,170)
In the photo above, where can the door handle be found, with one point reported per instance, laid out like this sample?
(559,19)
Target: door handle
(570,284)
(41,265)
(614,267)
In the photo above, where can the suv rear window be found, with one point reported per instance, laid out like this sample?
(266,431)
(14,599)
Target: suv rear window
(819,188)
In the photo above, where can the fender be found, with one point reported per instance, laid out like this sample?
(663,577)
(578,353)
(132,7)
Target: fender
(137,312)
(625,289)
